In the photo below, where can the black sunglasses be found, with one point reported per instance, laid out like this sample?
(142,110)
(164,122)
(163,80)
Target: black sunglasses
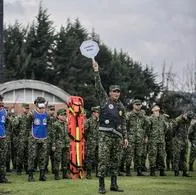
(116,91)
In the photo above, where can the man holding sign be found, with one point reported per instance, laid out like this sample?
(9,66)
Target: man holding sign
(112,124)
(112,132)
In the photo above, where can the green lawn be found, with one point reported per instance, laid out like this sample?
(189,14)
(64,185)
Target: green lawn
(132,185)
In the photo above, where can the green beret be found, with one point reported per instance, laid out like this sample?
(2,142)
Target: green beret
(61,111)
(24,105)
(114,87)
(95,109)
(136,101)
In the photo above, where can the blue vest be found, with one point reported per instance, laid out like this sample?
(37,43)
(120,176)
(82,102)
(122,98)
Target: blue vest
(3,115)
(110,115)
(39,127)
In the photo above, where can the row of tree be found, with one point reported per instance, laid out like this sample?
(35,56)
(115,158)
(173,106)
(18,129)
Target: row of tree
(39,52)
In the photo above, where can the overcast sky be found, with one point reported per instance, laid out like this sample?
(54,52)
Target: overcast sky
(151,31)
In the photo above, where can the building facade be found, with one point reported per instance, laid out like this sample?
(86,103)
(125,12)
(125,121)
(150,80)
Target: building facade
(26,91)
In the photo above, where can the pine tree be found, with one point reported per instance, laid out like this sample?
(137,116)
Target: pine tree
(40,42)
(16,57)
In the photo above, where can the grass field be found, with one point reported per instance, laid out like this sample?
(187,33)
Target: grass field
(132,185)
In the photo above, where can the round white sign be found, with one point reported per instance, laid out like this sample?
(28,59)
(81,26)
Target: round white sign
(89,48)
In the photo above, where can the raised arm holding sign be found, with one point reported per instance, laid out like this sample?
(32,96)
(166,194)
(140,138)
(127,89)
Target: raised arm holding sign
(89,49)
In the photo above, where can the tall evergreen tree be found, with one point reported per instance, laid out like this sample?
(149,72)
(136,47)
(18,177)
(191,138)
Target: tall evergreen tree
(73,71)
(16,57)
(40,41)
(42,55)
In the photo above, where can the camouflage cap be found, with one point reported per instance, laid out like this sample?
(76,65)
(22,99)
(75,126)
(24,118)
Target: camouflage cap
(114,87)
(155,107)
(190,115)
(51,107)
(61,111)
(25,105)
(136,101)
(95,109)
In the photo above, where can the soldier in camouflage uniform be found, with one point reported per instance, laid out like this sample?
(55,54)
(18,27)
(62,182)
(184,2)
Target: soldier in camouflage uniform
(60,145)
(14,135)
(180,142)
(51,120)
(144,150)
(22,150)
(91,135)
(8,140)
(37,141)
(168,146)
(3,143)
(112,132)
(156,138)
(137,125)
(144,154)
(192,139)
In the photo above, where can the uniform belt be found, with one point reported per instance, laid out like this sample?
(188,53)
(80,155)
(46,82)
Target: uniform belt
(112,130)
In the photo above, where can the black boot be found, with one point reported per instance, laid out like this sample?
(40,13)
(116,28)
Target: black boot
(121,168)
(26,169)
(139,172)
(128,170)
(144,168)
(162,172)
(31,178)
(19,170)
(114,186)
(42,175)
(56,175)
(185,174)
(191,167)
(168,166)
(8,167)
(176,172)
(65,175)
(102,185)
(88,174)
(152,171)
(3,179)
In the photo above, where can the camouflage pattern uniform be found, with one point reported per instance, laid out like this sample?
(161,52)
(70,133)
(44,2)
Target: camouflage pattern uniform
(60,140)
(22,151)
(51,120)
(37,146)
(112,130)
(8,140)
(156,139)
(145,152)
(3,143)
(169,149)
(14,138)
(91,135)
(180,144)
(192,138)
(137,125)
